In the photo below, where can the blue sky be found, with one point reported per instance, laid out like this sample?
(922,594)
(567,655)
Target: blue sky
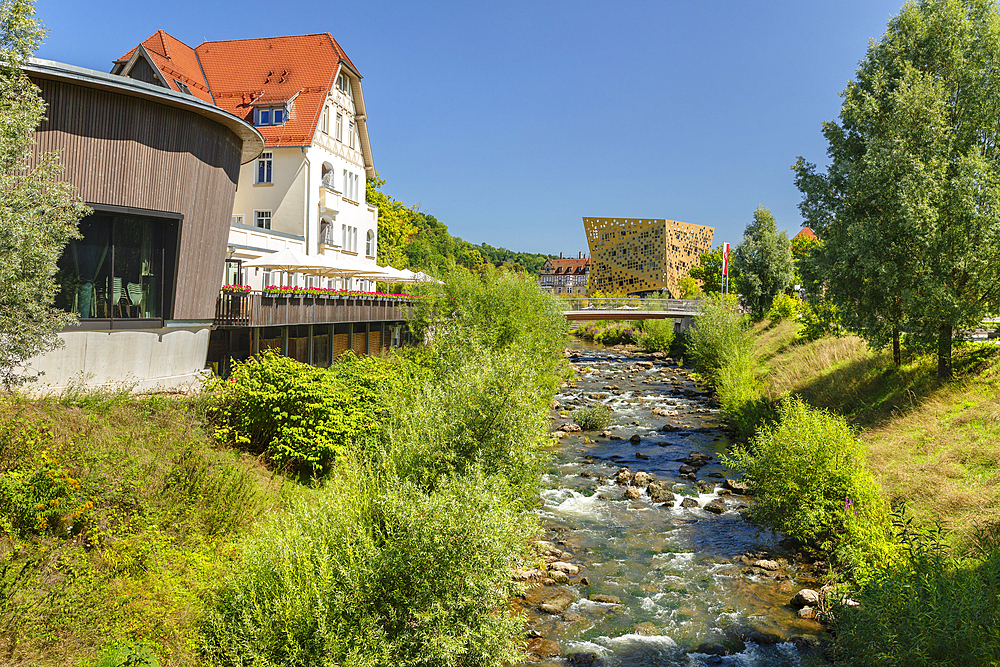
(511,121)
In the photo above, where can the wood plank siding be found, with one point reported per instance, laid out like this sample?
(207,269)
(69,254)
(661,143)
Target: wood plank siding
(126,151)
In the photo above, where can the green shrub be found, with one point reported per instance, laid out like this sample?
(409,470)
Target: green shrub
(127,655)
(656,335)
(784,307)
(295,414)
(593,418)
(479,408)
(819,318)
(717,332)
(741,392)
(927,607)
(377,572)
(807,472)
(618,333)
(41,497)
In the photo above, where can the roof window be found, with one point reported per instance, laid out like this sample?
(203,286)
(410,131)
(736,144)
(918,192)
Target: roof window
(182,87)
(270,116)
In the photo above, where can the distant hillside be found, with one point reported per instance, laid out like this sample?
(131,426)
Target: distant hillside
(410,238)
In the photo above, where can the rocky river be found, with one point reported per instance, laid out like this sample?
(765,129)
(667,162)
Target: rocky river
(647,559)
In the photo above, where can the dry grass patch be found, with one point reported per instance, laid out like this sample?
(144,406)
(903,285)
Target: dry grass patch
(934,445)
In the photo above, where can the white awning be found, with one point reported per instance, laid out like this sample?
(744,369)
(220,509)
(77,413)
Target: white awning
(290,261)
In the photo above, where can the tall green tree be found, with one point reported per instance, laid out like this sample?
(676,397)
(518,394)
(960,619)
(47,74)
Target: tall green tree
(709,270)
(38,214)
(908,208)
(764,262)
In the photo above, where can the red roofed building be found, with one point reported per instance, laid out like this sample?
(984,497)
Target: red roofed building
(806,233)
(306,190)
(565,276)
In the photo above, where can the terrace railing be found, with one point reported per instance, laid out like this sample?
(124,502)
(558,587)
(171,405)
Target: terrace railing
(266,309)
(631,303)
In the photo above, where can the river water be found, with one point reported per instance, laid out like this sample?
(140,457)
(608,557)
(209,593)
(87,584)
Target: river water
(693,587)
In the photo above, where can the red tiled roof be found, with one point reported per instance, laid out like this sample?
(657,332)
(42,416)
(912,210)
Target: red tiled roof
(242,71)
(175,60)
(805,232)
(573,265)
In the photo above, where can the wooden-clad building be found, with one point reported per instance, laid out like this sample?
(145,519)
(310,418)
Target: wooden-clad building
(159,168)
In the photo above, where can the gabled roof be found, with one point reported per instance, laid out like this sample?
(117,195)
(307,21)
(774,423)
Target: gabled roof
(805,232)
(238,74)
(174,60)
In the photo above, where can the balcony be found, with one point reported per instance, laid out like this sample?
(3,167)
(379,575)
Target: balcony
(329,197)
(257,309)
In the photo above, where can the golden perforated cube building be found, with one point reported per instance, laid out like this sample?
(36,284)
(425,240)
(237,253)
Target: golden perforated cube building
(635,255)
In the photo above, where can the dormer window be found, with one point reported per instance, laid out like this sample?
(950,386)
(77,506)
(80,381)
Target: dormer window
(344,85)
(182,87)
(270,116)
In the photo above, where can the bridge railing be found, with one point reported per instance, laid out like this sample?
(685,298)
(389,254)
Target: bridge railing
(632,303)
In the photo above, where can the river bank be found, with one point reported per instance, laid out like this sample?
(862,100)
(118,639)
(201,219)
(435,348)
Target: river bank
(660,568)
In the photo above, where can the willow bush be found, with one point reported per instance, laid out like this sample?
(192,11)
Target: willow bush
(808,475)
(376,572)
(405,558)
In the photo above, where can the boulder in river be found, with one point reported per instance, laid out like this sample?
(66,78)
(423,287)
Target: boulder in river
(642,478)
(632,492)
(771,565)
(717,506)
(609,599)
(712,649)
(557,604)
(645,628)
(688,470)
(807,597)
(570,427)
(635,439)
(737,486)
(658,494)
(543,648)
(581,659)
(641,456)
(624,476)
(689,502)
(561,566)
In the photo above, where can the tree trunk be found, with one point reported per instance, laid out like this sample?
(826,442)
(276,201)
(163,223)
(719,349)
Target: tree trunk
(944,352)
(896,357)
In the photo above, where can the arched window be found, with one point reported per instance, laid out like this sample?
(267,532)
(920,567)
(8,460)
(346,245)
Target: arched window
(370,244)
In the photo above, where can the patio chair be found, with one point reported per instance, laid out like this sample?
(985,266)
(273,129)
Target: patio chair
(134,291)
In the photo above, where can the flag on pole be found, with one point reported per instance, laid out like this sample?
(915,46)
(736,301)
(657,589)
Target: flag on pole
(725,260)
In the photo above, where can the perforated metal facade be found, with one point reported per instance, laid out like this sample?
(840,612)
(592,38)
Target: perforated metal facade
(634,255)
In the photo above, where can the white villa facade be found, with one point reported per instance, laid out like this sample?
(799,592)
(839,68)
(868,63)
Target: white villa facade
(306,190)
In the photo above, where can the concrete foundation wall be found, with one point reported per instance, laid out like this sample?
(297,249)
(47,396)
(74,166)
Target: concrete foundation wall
(145,360)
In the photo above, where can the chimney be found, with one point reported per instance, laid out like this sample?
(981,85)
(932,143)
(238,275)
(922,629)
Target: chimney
(560,256)
(579,255)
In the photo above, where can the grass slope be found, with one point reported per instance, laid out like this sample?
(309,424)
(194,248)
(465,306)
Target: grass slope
(931,444)
(167,509)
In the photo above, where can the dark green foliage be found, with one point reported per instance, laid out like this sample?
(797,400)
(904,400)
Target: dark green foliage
(928,607)
(908,207)
(808,475)
(764,263)
(819,317)
(295,414)
(127,655)
(593,418)
(709,271)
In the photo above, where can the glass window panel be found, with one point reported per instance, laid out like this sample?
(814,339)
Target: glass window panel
(265,117)
(84,270)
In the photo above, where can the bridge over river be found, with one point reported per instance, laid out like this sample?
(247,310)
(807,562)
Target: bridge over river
(629,309)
